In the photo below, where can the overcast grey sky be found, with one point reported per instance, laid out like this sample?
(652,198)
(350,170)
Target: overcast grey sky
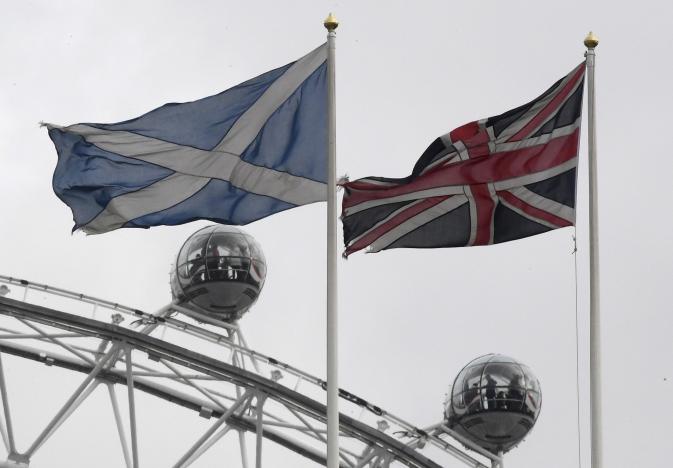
(409,319)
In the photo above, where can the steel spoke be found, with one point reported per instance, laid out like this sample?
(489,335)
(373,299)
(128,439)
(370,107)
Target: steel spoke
(5,437)
(58,342)
(201,390)
(47,430)
(5,405)
(132,406)
(259,429)
(206,445)
(211,431)
(241,434)
(244,449)
(71,410)
(241,340)
(318,434)
(120,426)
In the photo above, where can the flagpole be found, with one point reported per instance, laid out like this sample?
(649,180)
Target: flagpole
(332,370)
(591,41)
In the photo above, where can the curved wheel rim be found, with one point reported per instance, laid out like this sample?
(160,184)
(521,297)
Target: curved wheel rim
(368,443)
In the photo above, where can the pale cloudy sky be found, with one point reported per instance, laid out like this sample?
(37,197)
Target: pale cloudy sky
(409,319)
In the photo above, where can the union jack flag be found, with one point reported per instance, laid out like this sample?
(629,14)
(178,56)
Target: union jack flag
(489,181)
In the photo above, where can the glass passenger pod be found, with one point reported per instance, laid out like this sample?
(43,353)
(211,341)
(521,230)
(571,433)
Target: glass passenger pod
(494,401)
(219,270)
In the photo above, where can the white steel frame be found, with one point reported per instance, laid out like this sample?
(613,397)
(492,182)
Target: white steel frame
(248,397)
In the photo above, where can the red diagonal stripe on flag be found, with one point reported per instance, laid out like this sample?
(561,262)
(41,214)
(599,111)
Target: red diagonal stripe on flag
(482,170)
(551,107)
(533,211)
(395,221)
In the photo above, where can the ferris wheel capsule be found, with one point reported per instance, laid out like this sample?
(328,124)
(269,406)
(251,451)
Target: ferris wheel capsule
(494,402)
(220,271)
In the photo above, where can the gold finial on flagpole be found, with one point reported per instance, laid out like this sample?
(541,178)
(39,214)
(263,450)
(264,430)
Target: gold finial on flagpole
(591,41)
(331,22)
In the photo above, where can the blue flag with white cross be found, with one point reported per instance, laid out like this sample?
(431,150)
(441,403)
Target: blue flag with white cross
(251,151)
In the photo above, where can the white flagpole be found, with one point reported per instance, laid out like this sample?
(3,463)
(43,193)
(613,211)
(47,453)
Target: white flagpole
(332,369)
(591,41)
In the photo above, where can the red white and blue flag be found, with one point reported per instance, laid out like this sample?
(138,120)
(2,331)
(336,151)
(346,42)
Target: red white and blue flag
(489,181)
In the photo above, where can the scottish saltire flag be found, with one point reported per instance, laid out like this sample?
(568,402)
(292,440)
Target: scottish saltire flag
(248,152)
(489,181)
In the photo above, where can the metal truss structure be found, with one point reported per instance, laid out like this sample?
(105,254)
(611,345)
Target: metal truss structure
(244,392)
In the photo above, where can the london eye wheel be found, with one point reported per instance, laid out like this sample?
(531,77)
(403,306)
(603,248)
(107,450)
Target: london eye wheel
(191,357)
